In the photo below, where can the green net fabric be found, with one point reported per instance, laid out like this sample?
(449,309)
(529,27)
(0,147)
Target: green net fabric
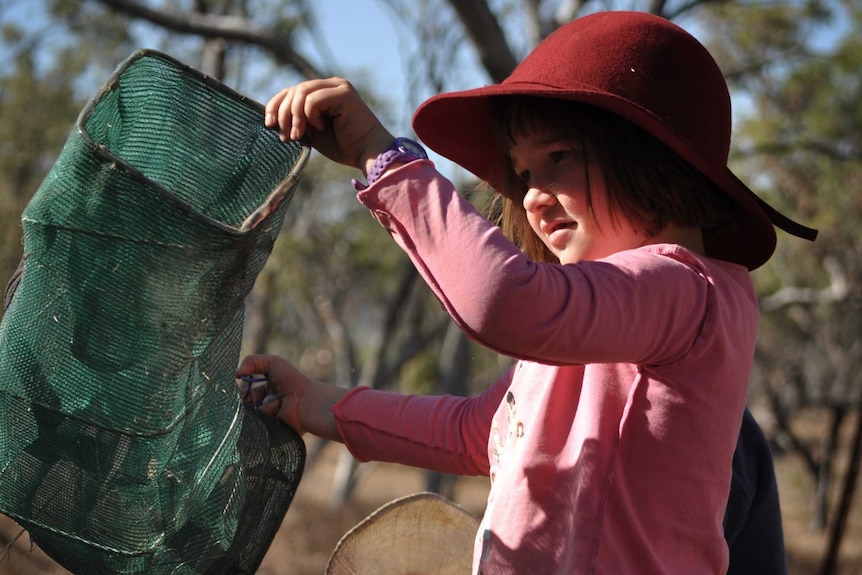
(124,445)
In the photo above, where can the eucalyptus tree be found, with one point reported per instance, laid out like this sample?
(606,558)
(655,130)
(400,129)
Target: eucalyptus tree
(37,108)
(797,64)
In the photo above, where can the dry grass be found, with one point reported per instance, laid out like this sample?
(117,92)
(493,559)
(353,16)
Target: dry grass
(312,527)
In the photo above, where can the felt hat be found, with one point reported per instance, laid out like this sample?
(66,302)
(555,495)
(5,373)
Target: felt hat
(643,68)
(420,534)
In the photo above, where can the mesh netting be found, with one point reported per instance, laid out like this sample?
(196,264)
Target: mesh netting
(124,446)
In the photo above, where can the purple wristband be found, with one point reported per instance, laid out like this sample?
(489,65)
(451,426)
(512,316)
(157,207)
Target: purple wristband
(401,151)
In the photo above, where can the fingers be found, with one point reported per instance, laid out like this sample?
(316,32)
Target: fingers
(279,115)
(253,381)
(272,385)
(274,405)
(253,389)
(331,114)
(252,364)
(270,118)
(271,405)
(293,109)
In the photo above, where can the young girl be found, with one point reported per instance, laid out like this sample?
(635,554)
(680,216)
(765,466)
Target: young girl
(621,286)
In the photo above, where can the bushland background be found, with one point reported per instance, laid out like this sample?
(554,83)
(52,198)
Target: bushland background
(339,299)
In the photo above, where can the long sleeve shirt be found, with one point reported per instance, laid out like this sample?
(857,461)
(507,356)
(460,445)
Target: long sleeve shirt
(609,443)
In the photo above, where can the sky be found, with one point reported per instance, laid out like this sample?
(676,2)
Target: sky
(361,36)
(357,32)
(358,36)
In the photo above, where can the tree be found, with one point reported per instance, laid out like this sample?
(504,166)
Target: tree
(36,110)
(801,144)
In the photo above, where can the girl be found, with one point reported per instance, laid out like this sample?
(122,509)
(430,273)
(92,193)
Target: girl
(622,290)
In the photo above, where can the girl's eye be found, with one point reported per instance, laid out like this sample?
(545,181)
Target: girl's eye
(558,156)
(524,176)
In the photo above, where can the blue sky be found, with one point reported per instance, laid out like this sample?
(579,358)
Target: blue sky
(357,36)
(362,37)
(357,33)
(361,34)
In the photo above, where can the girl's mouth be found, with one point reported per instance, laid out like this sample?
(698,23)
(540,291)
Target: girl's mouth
(557,226)
(557,234)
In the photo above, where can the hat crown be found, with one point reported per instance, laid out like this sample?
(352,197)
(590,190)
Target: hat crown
(640,67)
(660,75)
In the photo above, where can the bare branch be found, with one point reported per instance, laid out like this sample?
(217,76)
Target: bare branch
(345,361)
(230,28)
(848,489)
(568,10)
(831,152)
(657,7)
(533,24)
(487,35)
(757,68)
(836,291)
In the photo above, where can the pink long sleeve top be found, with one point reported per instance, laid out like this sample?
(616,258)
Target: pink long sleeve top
(609,443)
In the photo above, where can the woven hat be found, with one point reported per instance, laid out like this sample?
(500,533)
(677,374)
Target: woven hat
(638,66)
(420,534)
(124,444)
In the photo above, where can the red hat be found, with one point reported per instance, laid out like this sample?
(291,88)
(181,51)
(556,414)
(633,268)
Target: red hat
(641,67)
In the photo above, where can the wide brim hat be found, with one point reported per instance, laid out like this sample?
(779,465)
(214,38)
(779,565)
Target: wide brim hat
(125,446)
(421,534)
(643,68)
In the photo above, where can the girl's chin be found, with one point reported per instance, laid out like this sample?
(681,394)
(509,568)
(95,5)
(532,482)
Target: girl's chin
(567,257)
(560,239)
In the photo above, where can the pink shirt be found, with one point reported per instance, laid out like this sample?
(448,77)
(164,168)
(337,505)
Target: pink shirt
(609,443)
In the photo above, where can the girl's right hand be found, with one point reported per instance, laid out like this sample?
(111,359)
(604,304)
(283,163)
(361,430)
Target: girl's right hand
(335,119)
(300,402)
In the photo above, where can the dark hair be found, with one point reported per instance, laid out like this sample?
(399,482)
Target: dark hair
(647,182)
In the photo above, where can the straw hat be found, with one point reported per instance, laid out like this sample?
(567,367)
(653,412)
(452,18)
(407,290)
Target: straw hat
(643,68)
(419,534)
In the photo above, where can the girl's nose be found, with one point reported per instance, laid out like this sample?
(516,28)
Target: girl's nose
(538,198)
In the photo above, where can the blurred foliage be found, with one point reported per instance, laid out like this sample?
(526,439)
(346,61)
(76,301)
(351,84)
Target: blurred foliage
(37,110)
(799,144)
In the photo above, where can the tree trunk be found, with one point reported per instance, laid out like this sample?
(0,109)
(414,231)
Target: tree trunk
(344,478)
(258,317)
(454,371)
(830,561)
(820,511)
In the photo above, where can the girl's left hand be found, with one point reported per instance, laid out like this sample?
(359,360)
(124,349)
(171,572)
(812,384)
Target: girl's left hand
(338,123)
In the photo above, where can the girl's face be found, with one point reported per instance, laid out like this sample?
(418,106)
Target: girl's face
(557,178)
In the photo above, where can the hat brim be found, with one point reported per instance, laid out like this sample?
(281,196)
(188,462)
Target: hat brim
(458,126)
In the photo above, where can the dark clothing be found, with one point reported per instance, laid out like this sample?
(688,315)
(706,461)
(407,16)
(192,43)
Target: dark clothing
(752,520)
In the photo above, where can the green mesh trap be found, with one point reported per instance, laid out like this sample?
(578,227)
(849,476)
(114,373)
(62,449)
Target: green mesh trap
(124,445)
